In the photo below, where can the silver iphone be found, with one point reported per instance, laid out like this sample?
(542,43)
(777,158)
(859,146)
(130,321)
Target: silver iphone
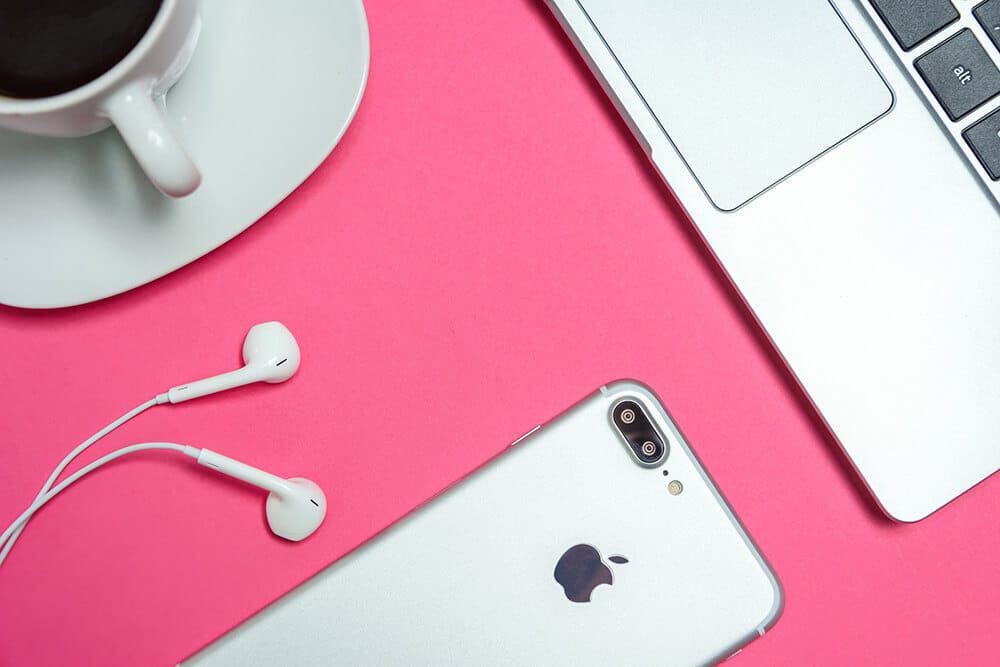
(597,539)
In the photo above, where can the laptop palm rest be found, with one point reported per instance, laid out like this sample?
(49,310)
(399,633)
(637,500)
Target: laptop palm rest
(747,92)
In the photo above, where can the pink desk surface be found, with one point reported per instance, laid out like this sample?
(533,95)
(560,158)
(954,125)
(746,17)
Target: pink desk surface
(485,247)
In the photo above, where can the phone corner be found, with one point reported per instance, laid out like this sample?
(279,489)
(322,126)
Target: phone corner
(777,607)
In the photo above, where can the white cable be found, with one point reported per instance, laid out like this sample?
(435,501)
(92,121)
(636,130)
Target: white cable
(8,544)
(59,488)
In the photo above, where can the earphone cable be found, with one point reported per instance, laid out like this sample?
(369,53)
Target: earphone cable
(41,500)
(8,540)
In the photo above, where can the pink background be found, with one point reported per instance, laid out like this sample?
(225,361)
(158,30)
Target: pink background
(485,247)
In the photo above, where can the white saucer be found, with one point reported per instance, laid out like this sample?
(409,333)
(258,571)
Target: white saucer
(269,93)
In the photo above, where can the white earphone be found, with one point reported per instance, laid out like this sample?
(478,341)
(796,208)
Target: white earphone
(295,507)
(270,354)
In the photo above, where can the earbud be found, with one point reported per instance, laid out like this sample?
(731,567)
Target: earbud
(295,507)
(270,354)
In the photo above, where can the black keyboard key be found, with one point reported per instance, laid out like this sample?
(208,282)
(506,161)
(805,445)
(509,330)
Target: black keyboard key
(960,74)
(988,15)
(913,21)
(984,140)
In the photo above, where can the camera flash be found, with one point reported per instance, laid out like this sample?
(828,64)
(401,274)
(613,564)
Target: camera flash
(675,488)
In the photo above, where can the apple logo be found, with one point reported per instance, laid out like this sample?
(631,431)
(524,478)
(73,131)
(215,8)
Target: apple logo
(580,570)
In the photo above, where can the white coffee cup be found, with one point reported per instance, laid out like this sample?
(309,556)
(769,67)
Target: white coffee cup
(130,96)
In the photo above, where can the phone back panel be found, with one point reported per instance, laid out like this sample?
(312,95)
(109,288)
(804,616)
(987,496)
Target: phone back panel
(470,577)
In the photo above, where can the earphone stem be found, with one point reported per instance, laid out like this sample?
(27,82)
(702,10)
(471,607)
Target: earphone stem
(211,385)
(243,472)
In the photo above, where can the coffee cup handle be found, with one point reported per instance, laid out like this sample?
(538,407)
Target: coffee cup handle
(142,125)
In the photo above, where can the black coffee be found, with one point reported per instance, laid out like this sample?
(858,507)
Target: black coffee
(48,47)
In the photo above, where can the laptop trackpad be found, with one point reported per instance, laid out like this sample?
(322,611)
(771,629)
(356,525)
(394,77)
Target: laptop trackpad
(747,91)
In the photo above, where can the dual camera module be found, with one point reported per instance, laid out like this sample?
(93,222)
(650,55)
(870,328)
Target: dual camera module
(639,433)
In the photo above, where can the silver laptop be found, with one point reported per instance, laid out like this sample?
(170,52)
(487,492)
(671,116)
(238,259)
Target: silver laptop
(841,160)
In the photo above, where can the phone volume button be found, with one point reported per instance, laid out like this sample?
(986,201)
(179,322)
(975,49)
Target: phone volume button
(525,435)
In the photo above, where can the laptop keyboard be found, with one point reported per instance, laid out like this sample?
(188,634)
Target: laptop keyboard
(953,49)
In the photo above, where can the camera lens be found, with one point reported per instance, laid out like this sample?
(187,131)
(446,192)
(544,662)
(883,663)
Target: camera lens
(644,441)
